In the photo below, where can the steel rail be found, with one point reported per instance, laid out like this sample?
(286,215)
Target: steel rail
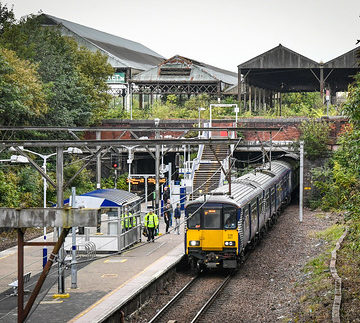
(211,299)
(150,128)
(173,300)
(113,143)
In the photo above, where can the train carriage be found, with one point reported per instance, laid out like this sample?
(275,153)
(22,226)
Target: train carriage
(220,227)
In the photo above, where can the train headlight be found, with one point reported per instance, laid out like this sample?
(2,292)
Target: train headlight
(229,243)
(194,243)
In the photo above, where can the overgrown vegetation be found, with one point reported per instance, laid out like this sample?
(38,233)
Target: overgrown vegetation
(337,188)
(319,292)
(315,134)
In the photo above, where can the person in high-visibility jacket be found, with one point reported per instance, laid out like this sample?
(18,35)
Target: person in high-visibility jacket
(151,222)
(127,221)
(131,220)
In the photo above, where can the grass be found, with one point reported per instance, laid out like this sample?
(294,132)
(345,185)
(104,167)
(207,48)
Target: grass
(318,288)
(348,268)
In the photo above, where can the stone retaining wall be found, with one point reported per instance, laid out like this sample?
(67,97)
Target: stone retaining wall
(337,294)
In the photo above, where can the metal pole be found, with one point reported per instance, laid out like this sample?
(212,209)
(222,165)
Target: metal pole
(229,176)
(184,160)
(44,194)
(73,248)
(60,204)
(157,171)
(115,181)
(322,82)
(98,163)
(146,192)
(270,150)
(129,172)
(199,124)
(20,275)
(119,229)
(301,184)
(131,102)
(169,176)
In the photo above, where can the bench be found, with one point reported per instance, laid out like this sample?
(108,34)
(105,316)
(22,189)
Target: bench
(15,283)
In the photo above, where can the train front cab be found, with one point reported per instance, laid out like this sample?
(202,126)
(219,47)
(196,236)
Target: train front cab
(212,238)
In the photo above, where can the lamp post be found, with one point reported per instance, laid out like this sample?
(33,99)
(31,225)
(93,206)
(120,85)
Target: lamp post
(200,109)
(70,150)
(157,167)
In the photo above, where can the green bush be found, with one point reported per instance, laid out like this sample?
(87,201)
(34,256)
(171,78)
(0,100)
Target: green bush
(315,135)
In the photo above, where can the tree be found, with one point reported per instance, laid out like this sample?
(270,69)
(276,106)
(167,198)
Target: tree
(75,77)
(316,136)
(7,17)
(22,94)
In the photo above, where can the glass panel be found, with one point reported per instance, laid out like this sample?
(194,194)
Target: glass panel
(212,218)
(230,217)
(194,219)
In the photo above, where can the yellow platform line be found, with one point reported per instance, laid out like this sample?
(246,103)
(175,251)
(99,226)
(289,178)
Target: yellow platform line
(109,294)
(7,256)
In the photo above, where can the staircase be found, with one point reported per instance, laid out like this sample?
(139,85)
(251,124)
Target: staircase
(207,176)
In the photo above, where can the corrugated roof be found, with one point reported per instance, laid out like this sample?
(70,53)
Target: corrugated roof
(348,60)
(247,186)
(279,57)
(130,53)
(111,197)
(198,72)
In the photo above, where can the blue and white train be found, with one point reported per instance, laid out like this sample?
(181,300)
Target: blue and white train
(220,227)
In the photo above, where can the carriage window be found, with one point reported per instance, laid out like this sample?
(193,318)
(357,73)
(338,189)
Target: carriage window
(193,213)
(230,217)
(212,218)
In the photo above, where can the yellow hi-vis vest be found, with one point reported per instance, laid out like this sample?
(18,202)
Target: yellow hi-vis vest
(151,220)
(131,220)
(125,221)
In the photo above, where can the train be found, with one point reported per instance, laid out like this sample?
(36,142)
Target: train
(221,227)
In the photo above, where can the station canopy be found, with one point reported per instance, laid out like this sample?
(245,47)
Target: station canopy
(104,198)
(283,70)
(181,75)
(121,52)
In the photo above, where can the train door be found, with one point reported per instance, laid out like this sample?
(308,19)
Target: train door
(246,224)
(212,235)
(273,200)
(258,213)
(253,217)
(261,206)
(267,204)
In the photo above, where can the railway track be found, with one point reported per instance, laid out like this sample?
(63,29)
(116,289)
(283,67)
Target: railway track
(193,300)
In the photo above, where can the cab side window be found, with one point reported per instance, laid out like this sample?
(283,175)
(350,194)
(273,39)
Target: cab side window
(230,217)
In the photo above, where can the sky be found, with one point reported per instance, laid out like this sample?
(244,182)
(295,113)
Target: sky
(221,33)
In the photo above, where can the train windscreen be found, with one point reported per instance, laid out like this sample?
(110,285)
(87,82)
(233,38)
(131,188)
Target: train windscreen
(212,218)
(193,215)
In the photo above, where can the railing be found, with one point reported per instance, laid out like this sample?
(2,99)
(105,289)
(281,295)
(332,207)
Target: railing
(112,238)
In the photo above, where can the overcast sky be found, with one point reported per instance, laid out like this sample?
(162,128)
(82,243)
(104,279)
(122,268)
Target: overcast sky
(221,33)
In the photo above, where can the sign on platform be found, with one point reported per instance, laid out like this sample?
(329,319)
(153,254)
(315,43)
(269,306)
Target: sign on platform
(118,77)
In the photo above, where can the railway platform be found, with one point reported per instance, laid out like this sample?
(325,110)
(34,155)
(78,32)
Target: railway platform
(103,285)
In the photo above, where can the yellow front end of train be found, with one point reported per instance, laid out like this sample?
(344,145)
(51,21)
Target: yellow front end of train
(212,236)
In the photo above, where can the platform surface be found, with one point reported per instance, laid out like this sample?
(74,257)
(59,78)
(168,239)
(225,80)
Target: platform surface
(102,284)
